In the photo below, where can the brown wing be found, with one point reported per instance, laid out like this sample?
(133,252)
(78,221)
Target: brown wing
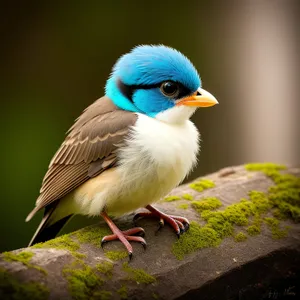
(88,150)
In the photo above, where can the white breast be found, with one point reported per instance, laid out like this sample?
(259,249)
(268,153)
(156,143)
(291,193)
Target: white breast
(157,157)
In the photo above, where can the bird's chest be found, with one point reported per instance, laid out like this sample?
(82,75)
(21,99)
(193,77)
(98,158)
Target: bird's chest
(156,158)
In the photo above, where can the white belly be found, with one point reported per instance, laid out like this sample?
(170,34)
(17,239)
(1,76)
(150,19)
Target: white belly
(156,159)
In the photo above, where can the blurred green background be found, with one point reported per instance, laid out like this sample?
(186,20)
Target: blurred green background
(55,59)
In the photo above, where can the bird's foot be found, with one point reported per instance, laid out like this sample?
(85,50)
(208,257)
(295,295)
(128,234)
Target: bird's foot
(179,224)
(123,236)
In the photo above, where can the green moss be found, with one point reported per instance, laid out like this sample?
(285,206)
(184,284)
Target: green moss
(23,257)
(171,198)
(188,197)
(238,213)
(235,214)
(282,199)
(92,235)
(257,220)
(279,233)
(15,290)
(285,196)
(221,226)
(240,237)
(253,230)
(123,292)
(289,211)
(208,203)
(206,214)
(202,185)
(260,200)
(64,242)
(279,215)
(138,275)
(271,222)
(82,280)
(183,206)
(102,295)
(274,225)
(196,238)
(264,167)
(116,255)
(106,267)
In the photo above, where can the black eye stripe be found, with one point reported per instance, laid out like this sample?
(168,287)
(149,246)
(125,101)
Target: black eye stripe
(128,90)
(125,89)
(183,92)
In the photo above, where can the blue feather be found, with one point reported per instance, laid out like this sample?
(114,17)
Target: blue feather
(150,65)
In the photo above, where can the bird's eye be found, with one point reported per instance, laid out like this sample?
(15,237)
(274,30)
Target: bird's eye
(170,88)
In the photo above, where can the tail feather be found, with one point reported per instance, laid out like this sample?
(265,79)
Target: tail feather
(31,214)
(47,231)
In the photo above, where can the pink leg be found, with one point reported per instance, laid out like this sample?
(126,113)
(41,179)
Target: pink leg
(179,224)
(123,236)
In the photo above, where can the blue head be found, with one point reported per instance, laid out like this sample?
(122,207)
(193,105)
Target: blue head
(152,79)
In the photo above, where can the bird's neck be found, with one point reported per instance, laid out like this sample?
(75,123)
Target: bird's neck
(176,115)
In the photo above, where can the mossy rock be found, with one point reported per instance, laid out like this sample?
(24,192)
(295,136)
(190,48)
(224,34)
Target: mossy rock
(252,223)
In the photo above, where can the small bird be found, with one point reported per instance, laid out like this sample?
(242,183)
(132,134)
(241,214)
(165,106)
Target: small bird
(129,148)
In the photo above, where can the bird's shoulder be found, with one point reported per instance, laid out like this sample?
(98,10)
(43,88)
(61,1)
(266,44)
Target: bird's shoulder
(88,149)
(95,133)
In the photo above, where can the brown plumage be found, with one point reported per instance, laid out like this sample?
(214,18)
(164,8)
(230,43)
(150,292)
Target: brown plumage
(88,150)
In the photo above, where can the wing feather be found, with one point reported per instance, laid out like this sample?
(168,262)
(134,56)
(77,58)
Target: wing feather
(89,149)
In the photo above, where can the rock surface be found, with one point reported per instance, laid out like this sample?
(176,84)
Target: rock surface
(234,266)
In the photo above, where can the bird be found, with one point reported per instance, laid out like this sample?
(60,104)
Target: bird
(129,148)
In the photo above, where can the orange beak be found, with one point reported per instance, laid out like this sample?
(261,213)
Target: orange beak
(200,98)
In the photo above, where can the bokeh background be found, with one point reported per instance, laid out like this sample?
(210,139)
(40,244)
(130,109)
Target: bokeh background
(56,56)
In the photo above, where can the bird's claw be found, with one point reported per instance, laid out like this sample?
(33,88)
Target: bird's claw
(103,241)
(132,235)
(187,226)
(180,224)
(144,244)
